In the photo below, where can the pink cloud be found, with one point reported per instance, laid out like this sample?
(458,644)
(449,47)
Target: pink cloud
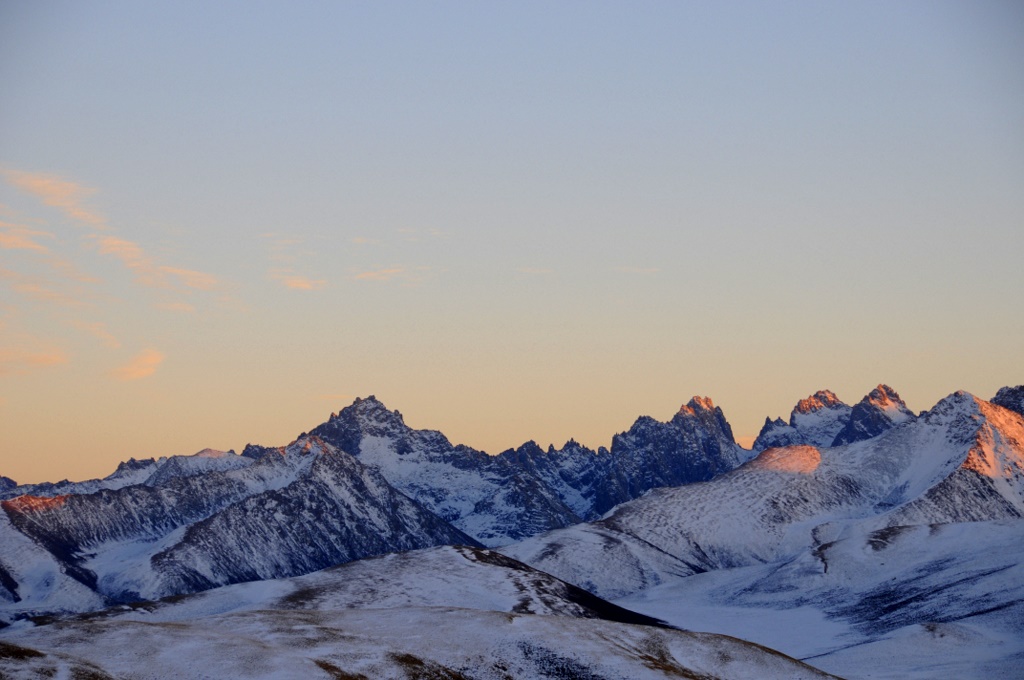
(191,278)
(58,193)
(142,365)
(98,330)
(18,237)
(381,274)
(294,281)
(20,360)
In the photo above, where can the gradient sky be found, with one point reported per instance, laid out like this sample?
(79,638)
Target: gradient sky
(219,222)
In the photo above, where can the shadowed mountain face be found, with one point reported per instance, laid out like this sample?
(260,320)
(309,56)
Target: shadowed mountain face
(880,410)
(1010,398)
(296,509)
(522,492)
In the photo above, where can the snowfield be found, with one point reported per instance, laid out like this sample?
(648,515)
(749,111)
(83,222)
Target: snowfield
(441,613)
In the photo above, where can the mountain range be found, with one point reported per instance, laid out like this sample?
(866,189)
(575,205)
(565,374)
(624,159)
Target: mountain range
(861,527)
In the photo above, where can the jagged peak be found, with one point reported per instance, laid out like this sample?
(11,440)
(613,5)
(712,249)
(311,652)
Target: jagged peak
(1011,398)
(368,408)
(821,399)
(958,404)
(885,398)
(770,425)
(308,444)
(698,403)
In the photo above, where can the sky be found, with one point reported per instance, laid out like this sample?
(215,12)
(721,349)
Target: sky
(220,222)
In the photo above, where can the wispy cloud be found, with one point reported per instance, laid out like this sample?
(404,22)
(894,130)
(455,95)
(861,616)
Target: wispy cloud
(177,307)
(19,237)
(286,255)
(294,281)
(21,360)
(69,197)
(637,270)
(191,278)
(98,330)
(141,365)
(147,271)
(58,193)
(381,274)
(133,257)
(40,293)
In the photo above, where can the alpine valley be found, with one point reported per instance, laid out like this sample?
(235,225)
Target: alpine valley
(861,541)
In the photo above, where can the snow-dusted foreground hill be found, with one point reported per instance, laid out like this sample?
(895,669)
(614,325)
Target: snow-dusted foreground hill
(441,613)
(895,556)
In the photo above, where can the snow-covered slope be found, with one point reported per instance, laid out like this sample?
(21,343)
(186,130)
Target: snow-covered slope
(940,601)
(296,509)
(837,555)
(960,461)
(441,613)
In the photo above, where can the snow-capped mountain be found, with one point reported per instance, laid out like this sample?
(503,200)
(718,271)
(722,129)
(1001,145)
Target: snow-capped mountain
(485,496)
(880,410)
(524,491)
(437,613)
(815,420)
(823,420)
(296,509)
(787,531)
(870,528)
(961,462)
(149,471)
(158,527)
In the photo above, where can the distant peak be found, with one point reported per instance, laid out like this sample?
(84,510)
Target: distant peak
(819,400)
(368,407)
(1010,398)
(698,404)
(883,396)
(308,444)
(209,453)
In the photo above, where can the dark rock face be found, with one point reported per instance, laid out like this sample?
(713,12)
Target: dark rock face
(361,484)
(879,411)
(296,509)
(1011,398)
(339,512)
(488,497)
(694,446)
(525,491)
(7,483)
